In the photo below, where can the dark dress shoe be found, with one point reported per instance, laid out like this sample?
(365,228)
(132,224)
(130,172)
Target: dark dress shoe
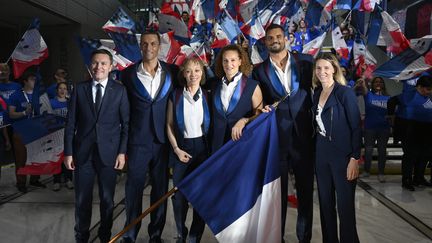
(37,184)
(22,188)
(408,186)
(156,240)
(421,183)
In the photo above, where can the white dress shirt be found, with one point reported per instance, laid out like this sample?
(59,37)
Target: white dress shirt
(151,84)
(227,91)
(283,75)
(193,113)
(94,88)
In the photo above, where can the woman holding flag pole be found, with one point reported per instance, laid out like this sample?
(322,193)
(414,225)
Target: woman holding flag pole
(188,122)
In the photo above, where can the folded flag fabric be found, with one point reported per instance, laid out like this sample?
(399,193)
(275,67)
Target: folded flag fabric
(237,190)
(43,139)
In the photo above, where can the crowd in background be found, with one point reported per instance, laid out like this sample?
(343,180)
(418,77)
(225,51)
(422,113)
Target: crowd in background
(407,116)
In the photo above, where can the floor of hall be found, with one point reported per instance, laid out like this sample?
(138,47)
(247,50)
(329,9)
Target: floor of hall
(385,213)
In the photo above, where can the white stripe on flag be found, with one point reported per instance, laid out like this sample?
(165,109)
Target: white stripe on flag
(262,223)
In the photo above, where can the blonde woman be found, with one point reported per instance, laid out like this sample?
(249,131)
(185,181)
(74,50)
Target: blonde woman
(337,149)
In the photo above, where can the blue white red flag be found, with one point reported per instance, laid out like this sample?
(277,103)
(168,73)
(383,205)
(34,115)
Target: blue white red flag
(259,52)
(120,22)
(237,190)
(254,29)
(31,50)
(314,46)
(385,31)
(364,61)
(229,26)
(170,47)
(43,139)
(87,46)
(338,41)
(220,37)
(127,46)
(410,63)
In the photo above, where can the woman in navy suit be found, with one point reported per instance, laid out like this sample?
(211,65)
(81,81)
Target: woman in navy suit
(236,97)
(188,121)
(338,139)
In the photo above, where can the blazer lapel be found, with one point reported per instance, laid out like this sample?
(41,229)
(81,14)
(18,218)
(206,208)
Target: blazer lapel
(106,97)
(274,79)
(89,95)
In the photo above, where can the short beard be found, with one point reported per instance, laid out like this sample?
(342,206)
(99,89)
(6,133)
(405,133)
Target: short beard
(275,51)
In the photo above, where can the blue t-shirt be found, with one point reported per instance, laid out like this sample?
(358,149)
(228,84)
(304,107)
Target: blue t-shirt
(19,101)
(419,108)
(51,91)
(376,111)
(7,89)
(59,107)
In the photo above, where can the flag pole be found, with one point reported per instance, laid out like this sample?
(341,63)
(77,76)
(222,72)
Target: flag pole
(274,106)
(144,214)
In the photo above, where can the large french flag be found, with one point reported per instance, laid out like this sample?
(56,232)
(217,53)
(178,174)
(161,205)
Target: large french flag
(31,50)
(409,63)
(237,190)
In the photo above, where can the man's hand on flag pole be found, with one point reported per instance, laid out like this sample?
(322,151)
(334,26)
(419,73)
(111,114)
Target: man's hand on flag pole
(68,162)
(120,162)
(266,109)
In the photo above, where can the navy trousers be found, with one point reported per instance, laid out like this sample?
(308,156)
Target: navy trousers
(85,174)
(334,189)
(304,179)
(196,147)
(150,158)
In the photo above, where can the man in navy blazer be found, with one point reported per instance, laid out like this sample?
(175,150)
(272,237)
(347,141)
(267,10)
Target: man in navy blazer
(149,84)
(95,143)
(289,75)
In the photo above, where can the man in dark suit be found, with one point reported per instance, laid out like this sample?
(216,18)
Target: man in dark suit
(289,75)
(95,143)
(149,84)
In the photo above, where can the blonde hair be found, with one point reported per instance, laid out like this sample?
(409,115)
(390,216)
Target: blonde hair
(331,58)
(245,67)
(187,61)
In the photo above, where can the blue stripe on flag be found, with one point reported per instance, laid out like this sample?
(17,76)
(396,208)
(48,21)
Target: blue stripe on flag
(228,184)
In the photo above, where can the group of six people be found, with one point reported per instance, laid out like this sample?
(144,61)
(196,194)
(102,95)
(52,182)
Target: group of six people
(160,110)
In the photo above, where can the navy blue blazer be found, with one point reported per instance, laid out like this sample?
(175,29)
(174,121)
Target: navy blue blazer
(108,129)
(341,119)
(223,122)
(148,116)
(294,116)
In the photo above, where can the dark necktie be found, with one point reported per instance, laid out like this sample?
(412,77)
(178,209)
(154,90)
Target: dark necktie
(98,99)
(196,96)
